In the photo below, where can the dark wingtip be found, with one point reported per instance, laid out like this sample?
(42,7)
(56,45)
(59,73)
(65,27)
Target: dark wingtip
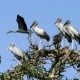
(48,39)
(79,34)
(17,15)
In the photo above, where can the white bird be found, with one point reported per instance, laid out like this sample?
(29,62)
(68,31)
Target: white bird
(74,33)
(39,31)
(16,51)
(63,31)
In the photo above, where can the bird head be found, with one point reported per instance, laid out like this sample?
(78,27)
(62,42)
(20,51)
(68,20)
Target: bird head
(58,20)
(11,45)
(67,22)
(35,23)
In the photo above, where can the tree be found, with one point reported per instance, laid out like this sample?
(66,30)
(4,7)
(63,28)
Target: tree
(35,59)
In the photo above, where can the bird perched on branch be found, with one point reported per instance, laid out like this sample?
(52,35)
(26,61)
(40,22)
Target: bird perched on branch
(57,39)
(74,33)
(63,31)
(22,27)
(16,51)
(39,31)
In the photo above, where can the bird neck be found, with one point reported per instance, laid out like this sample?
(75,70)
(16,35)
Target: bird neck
(11,48)
(59,25)
(33,27)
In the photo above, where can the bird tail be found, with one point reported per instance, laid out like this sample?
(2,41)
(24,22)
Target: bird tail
(79,38)
(47,36)
(79,35)
(23,59)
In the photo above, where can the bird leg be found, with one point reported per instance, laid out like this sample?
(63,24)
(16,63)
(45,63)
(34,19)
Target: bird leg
(72,41)
(75,45)
(69,44)
(72,44)
(17,62)
(40,44)
(63,41)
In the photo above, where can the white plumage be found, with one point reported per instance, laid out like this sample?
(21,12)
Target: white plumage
(73,32)
(59,26)
(71,29)
(16,51)
(63,31)
(39,31)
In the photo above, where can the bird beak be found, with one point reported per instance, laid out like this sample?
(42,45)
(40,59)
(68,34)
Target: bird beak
(64,24)
(31,26)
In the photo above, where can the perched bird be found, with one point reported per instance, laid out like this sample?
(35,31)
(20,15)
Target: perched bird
(22,27)
(63,31)
(39,31)
(57,39)
(74,33)
(16,51)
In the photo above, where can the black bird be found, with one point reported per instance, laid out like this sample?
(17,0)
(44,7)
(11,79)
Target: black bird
(57,39)
(22,27)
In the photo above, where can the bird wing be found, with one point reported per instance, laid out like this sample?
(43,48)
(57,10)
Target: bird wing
(18,57)
(21,23)
(39,31)
(71,30)
(17,51)
(74,31)
(65,30)
(46,36)
(68,37)
(59,26)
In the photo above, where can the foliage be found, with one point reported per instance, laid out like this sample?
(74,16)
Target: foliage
(35,59)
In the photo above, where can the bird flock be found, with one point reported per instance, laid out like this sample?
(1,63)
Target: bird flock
(66,31)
